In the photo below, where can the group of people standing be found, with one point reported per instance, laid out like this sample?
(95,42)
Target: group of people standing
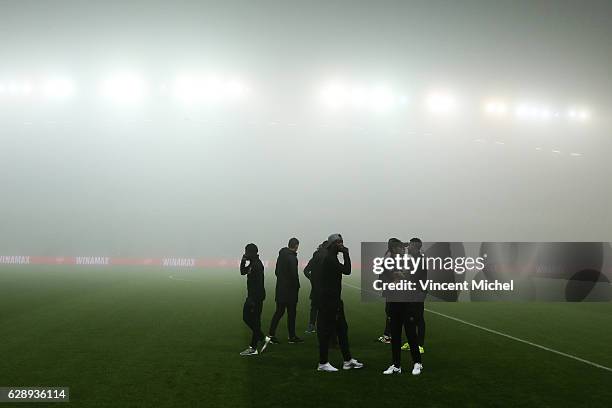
(404,310)
(327,318)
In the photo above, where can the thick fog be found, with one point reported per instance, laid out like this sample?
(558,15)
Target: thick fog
(87,176)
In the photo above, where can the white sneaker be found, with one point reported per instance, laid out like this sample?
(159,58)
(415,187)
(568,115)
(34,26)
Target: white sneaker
(393,370)
(417,368)
(249,352)
(352,363)
(326,367)
(266,342)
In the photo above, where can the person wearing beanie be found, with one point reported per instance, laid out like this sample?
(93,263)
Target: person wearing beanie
(287,288)
(328,290)
(252,267)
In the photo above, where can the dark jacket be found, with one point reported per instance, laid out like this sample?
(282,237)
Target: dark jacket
(420,276)
(328,285)
(255,278)
(287,279)
(396,276)
(313,270)
(393,275)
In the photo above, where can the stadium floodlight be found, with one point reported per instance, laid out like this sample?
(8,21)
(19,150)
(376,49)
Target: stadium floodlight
(213,89)
(197,88)
(523,111)
(496,108)
(579,114)
(188,89)
(381,99)
(335,95)
(58,88)
(359,97)
(533,112)
(544,113)
(26,88)
(17,88)
(235,89)
(376,98)
(12,87)
(441,103)
(125,88)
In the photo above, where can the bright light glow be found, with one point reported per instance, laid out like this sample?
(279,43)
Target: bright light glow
(235,89)
(544,113)
(125,88)
(13,88)
(359,97)
(335,95)
(441,103)
(58,88)
(495,107)
(381,98)
(187,89)
(26,88)
(16,88)
(579,114)
(522,111)
(191,89)
(377,98)
(533,112)
(212,89)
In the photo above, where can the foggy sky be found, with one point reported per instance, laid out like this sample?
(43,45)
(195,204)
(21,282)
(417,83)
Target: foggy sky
(84,178)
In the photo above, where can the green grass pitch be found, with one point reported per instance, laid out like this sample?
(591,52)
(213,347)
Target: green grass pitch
(133,337)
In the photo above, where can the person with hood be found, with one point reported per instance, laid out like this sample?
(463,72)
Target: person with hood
(287,288)
(312,271)
(328,291)
(252,267)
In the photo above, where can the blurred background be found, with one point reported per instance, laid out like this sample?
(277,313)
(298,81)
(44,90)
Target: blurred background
(150,128)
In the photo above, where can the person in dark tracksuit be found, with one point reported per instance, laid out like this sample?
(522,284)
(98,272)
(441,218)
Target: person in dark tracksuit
(393,245)
(287,288)
(315,263)
(253,268)
(402,314)
(328,290)
(418,305)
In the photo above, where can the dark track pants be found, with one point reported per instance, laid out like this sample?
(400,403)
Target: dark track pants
(330,321)
(419,308)
(251,314)
(387,331)
(313,314)
(403,315)
(279,312)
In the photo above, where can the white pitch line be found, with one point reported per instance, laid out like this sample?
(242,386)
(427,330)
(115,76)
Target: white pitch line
(522,341)
(508,336)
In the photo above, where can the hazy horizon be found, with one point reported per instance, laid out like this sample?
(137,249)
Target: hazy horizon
(85,177)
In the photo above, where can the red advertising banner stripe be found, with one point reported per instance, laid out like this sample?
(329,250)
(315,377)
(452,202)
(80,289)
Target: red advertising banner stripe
(168,262)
